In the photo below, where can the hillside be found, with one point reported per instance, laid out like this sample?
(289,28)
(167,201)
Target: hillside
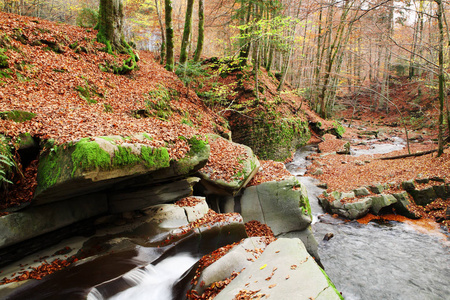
(55,86)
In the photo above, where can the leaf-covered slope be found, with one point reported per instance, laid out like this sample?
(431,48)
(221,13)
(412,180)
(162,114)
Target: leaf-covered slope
(55,71)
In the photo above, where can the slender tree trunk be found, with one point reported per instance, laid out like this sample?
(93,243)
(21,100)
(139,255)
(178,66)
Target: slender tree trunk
(201,31)
(186,31)
(169,35)
(441,78)
(163,35)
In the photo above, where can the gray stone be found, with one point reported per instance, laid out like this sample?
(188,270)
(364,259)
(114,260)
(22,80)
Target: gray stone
(238,258)
(402,204)
(422,180)
(145,197)
(441,191)
(322,185)
(361,192)
(250,166)
(438,179)
(376,188)
(101,163)
(408,185)
(317,171)
(381,201)
(352,210)
(284,270)
(166,216)
(278,205)
(424,197)
(196,212)
(308,239)
(34,221)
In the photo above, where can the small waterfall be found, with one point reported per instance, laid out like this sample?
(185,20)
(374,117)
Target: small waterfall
(151,281)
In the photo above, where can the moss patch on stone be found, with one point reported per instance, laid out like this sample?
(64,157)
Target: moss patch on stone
(272,139)
(88,155)
(196,144)
(49,169)
(155,157)
(17,116)
(338,128)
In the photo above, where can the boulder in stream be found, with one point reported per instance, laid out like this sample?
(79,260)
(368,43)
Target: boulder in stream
(284,270)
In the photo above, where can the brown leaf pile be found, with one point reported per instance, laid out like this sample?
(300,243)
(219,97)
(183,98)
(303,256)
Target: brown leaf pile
(256,228)
(46,83)
(188,201)
(43,270)
(225,160)
(270,171)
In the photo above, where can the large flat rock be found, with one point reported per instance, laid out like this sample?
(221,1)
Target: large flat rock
(34,221)
(92,164)
(144,197)
(284,270)
(282,205)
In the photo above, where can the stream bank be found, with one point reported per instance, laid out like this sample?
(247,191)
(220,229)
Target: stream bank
(384,260)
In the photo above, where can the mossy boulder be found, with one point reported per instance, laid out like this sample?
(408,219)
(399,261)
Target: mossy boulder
(284,270)
(92,164)
(271,139)
(282,205)
(249,166)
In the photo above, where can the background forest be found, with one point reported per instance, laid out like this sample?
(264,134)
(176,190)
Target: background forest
(334,53)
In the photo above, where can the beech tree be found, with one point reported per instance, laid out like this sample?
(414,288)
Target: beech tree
(186,32)
(201,30)
(169,35)
(110,22)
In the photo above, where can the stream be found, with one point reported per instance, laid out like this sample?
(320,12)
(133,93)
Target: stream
(373,261)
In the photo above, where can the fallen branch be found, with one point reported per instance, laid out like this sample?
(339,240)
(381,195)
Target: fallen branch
(410,155)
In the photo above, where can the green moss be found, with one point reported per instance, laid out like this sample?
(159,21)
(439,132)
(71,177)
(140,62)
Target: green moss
(197,145)
(88,156)
(148,137)
(158,104)
(17,116)
(340,130)
(155,157)
(124,157)
(24,140)
(49,169)
(3,59)
(272,137)
(6,73)
(331,284)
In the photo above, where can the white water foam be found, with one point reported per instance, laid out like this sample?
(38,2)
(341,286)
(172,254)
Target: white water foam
(155,282)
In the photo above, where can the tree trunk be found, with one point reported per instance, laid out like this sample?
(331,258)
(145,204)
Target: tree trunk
(186,31)
(201,30)
(169,35)
(110,22)
(163,36)
(441,78)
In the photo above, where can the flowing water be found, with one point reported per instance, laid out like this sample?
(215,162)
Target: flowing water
(373,261)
